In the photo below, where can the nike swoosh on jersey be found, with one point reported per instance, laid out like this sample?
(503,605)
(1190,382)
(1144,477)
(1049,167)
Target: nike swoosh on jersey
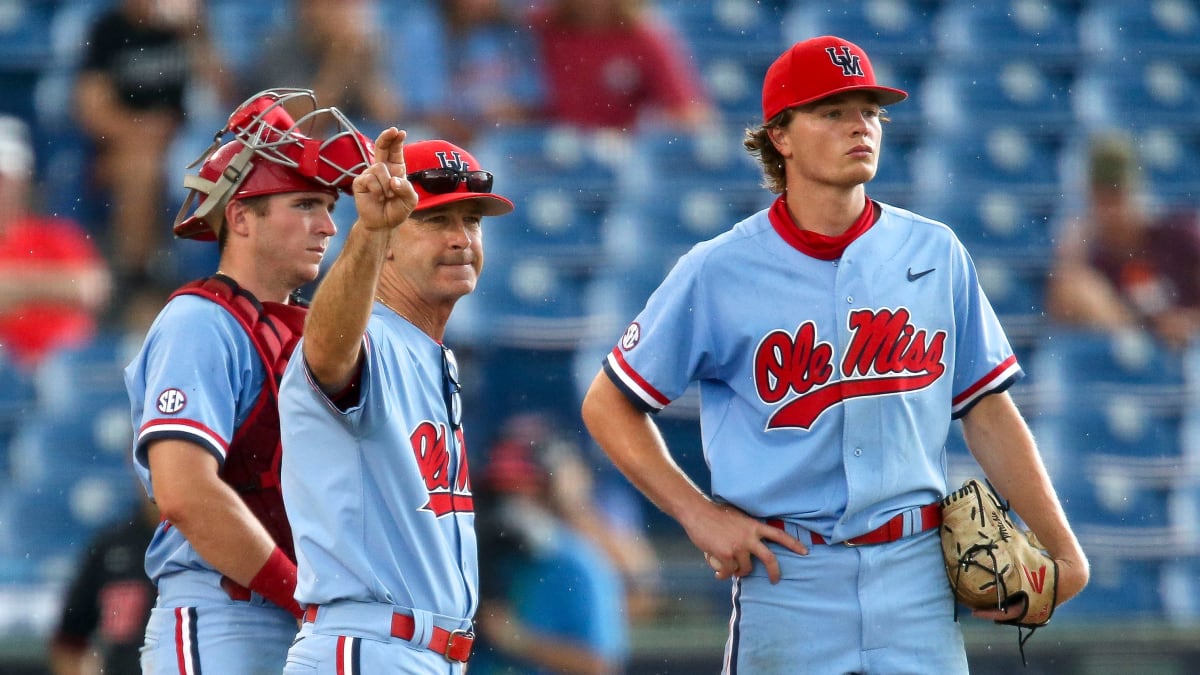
(918,275)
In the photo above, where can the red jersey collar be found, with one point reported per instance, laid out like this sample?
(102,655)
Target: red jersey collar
(814,244)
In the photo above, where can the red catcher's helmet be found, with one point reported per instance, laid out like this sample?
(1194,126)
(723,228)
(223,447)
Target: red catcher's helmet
(270,155)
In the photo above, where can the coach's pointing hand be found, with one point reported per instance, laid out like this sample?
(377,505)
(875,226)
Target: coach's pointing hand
(382,194)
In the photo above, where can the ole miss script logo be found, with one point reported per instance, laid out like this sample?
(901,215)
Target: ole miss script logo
(433,459)
(886,355)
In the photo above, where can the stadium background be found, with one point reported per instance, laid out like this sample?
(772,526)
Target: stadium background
(1004,96)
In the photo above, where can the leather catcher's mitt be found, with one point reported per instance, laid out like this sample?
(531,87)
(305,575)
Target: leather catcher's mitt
(990,563)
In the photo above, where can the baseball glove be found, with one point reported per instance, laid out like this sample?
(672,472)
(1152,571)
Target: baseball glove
(990,563)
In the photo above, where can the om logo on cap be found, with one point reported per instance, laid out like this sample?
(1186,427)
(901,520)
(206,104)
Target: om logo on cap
(847,61)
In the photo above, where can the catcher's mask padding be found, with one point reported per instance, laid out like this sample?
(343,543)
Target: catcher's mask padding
(269,155)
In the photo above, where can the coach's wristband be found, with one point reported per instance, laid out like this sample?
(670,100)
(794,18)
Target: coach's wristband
(276,581)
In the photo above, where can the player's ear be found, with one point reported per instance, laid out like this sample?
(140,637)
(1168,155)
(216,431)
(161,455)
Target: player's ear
(237,217)
(780,139)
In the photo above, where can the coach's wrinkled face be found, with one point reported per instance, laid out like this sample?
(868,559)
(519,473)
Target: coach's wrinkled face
(438,252)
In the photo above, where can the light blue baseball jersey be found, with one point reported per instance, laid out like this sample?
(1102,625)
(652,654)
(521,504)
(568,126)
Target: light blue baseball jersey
(196,378)
(827,386)
(378,494)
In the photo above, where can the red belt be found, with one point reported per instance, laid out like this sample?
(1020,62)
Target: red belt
(455,645)
(896,528)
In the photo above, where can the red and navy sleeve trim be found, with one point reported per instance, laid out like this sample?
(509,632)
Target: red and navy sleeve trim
(997,380)
(640,393)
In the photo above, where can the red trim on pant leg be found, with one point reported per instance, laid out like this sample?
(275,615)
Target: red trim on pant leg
(187,643)
(180,651)
(341,650)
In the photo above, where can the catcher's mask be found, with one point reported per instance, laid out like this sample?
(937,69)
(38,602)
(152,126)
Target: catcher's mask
(271,153)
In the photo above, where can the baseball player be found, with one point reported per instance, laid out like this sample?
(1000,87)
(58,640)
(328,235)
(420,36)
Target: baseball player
(375,464)
(833,339)
(204,391)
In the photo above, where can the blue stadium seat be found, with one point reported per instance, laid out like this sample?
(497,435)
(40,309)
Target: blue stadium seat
(50,525)
(959,95)
(1111,30)
(527,303)
(695,184)
(1168,162)
(1016,295)
(729,25)
(1125,362)
(734,81)
(63,149)
(1121,588)
(1045,31)
(415,52)
(562,181)
(995,223)
(238,29)
(45,452)
(682,189)
(1003,157)
(893,182)
(508,383)
(96,376)
(18,400)
(1138,92)
(1113,418)
(25,35)
(732,42)
(894,32)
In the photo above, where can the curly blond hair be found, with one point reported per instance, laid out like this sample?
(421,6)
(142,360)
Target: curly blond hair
(758,143)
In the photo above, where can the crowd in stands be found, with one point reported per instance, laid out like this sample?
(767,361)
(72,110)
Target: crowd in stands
(1057,138)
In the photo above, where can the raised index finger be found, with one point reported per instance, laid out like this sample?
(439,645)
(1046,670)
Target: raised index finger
(389,149)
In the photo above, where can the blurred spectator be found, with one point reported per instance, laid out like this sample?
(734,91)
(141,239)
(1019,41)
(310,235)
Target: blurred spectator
(553,600)
(1122,264)
(336,50)
(493,78)
(53,280)
(106,607)
(142,58)
(614,64)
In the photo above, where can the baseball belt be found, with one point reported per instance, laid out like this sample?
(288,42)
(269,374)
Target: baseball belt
(454,645)
(899,526)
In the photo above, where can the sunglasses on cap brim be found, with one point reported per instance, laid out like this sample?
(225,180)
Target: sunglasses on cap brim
(443,181)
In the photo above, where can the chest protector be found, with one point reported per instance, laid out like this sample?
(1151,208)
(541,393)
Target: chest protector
(252,463)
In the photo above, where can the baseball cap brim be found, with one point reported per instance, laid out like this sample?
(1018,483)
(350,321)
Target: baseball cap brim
(884,95)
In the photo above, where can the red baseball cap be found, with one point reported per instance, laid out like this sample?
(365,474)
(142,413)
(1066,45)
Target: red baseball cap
(438,154)
(819,67)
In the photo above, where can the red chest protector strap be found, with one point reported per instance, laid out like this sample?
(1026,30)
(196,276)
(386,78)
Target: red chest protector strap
(252,463)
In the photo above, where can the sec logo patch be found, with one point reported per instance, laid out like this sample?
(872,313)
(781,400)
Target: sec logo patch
(632,334)
(171,401)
